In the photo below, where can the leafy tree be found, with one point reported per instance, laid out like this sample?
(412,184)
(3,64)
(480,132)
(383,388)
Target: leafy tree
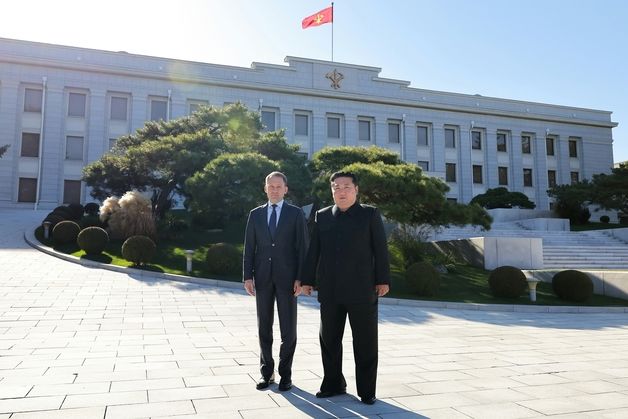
(4,149)
(572,200)
(611,191)
(502,198)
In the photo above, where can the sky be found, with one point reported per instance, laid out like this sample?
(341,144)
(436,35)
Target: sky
(563,52)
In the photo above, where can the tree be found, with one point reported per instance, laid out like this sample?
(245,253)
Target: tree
(572,200)
(611,191)
(502,198)
(4,149)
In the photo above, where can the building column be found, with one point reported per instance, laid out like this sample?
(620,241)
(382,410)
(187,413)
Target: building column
(438,149)
(9,135)
(53,148)
(465,171)
(491,157)
(539,172)
(516,163)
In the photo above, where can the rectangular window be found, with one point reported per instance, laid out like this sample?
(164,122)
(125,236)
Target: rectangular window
(450,172)
(333,127)
(421,136)
(525,144)
(502,174)
(476,140)
(452,200)
(76,105)
(301,124)
(501,141)
(573,148)
(477,173)
(27,189)
(268,120)
(424,165)
(195,106)
(394,129)
(158,110)
(527,177)
(575,177)
(74,148)
(71,191)
(32,101)
(119,108)
(364,127)
(549,146)
(450,138)
(30,145)
(551,178)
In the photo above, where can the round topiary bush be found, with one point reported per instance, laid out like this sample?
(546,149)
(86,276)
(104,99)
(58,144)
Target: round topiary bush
(572,285)
(64,212)
(223,259)
(53,219)
(507,282)
(92,208)
(77,211)
(605,219)
(138,249)
(65,232)
(93,240)
(423,279)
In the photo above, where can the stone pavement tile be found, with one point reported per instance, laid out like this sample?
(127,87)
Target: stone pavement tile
(28,404)
(288,412)
(438,387)
(443,375)
(233,404)
(435,401)
(484,372)
(13,391)
(185,393)
(160,383)
(81,413)
(145,410)
(211,380)
(488,383)
(91,377)
(107,399)
(596,386)
(540,379)
(578,404)
(65,389)
(497,411)
(549,390)
(445,413)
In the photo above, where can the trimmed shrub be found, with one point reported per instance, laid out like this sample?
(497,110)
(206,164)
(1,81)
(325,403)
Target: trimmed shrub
(572,285)
(223,259)
(92,208)
(91,221)
(423,279)
(64,212)
(507,282)
(605,219)
(138,249)
(93,240)
(54,219)
(128,216)
(65,232)
(77,211)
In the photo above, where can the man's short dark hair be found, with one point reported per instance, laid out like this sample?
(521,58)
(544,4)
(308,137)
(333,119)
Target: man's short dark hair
(351,175)
(277,174)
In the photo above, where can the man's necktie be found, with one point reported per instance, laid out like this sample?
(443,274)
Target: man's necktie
(272,224)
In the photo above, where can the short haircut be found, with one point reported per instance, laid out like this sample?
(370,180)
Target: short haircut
(351,175)
(277,174)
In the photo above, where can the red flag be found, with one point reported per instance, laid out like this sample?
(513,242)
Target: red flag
(317,19)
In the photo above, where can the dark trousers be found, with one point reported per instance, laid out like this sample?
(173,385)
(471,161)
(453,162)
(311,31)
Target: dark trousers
(363,321)
(287,311)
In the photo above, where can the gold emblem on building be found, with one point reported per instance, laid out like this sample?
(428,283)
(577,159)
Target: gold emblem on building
(335,78)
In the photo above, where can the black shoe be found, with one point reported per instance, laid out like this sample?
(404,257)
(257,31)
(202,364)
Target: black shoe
(368,400)
(265,382)
(285,385)
(325,394)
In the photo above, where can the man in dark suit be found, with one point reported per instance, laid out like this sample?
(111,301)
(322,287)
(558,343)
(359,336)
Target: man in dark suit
(349,257)
(275,245)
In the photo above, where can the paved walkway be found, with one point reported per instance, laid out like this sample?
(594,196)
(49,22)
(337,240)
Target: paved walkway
(80,342)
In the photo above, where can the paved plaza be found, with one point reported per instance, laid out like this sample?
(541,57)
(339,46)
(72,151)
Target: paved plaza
(83,342)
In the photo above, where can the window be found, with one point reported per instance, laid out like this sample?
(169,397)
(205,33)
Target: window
(477,173)
(394,129)
(476,140)
(575,177)
(450,138)
(118,108)
(424,165)
(525,144)
(112,143)
(421,136)
(74,148)
(32,101)
(268,120)
(76,105)
(527,177)
(158,110)
(364,128)
(195,106)
(549,146)
(71,191)
(27,189)
(301,124)
(551,178)
(501,141)
(502,174)
(450,172)
(333,127)
(30,145)
(573,148)
(452,200)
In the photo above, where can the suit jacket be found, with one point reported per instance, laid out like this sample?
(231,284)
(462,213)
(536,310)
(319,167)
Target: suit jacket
(278,261)
(348,255)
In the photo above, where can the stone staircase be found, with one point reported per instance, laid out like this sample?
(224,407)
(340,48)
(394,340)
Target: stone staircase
(561,249)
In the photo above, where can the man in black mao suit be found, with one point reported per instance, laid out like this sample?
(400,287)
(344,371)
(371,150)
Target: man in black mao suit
(349,257)
(275,245)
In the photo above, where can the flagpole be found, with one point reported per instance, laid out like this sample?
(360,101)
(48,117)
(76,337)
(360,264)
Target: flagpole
(332,31)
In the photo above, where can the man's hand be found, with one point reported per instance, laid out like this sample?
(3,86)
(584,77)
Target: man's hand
(306,289)
(249,286)
(382,289)
(297,288)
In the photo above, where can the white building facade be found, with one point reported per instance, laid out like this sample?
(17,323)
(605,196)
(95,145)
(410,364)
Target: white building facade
(63,107)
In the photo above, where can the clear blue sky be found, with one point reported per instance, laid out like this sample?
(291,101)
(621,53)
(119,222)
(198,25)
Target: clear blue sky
(566,52)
